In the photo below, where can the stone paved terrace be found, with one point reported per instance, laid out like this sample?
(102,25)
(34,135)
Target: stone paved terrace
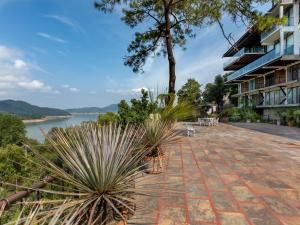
(284,131)
(228,175)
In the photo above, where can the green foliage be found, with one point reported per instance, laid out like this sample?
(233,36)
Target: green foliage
(28,111)
(240,114)
(289,115)
(179,18)
(101,166)
(107,118)
(215,92)
(158,132)
(12,130)
(190,92)
(11,159)
(177,112)
(138,111)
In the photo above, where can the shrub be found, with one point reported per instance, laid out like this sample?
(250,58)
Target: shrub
(101,168)
(107,118)
(12,130)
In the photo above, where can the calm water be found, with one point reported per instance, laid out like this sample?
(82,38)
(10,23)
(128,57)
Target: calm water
(33,130)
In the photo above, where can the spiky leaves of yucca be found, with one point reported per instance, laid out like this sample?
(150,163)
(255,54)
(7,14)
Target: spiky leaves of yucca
(101,169)
(172,112)
(158,132)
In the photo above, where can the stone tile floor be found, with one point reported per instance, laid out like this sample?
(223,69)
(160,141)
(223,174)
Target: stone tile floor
(230,176)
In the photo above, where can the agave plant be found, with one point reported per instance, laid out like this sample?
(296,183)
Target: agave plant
(158,132)
(100,172)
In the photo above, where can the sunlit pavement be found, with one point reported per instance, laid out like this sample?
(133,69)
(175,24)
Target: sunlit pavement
(228,175)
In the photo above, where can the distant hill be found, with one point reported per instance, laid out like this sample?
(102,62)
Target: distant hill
(28,111)
(109,108)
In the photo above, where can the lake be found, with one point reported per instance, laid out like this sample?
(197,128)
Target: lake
(34,129)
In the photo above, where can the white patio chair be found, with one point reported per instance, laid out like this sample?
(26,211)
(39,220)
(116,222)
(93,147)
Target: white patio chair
(201,122)
(190,130)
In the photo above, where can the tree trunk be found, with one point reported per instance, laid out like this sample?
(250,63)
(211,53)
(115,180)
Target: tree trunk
(169,45)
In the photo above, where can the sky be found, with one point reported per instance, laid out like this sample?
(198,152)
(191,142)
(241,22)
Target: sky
(67,54)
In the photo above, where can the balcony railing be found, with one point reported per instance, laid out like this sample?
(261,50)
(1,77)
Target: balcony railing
(269,31)
(243,51)
(266,33)
(254,65)
(289,50)
(290,21)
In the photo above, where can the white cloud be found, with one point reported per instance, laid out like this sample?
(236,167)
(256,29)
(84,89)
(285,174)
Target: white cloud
(34,84)
(20,64)
(16,73)
(138,90)
(66,21)
(72,89)
(51,38)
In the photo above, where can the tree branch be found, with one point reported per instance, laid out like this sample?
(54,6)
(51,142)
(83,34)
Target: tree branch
(227,37)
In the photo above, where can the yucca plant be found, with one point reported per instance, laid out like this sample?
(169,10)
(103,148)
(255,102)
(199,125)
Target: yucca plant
(101,172)
(172,111)
(157,133)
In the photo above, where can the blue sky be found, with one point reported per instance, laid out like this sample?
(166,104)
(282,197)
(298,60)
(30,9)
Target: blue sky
(67,54)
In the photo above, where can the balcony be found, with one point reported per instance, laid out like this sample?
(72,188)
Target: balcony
(270,56)
(271,35)
(253,54)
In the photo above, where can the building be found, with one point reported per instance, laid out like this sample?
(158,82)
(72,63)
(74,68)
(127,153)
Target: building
(266,65)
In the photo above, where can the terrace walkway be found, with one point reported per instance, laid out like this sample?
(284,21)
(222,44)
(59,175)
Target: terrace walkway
(284,131)
(230,176)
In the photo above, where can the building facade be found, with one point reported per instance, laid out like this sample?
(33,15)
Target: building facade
(266,65)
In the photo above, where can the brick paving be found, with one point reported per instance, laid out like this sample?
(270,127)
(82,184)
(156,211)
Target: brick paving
(283,131)
(230,176)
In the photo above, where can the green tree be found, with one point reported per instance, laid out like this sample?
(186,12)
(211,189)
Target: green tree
(107,118)
(190,92)
(12,130)
(138,110)
(169,23)
(215,92)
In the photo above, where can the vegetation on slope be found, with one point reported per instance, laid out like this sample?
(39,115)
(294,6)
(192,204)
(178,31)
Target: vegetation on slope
(25,110)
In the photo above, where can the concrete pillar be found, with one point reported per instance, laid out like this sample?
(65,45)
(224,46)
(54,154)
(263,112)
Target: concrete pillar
(282,42)
(280,11)
(285,88)
(296,13)
(281,31)
(296,30)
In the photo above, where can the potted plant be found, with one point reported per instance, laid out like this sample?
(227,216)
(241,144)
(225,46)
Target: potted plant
(157,132)
(288,115)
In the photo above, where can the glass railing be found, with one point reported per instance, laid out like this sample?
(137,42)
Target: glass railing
(243,51)
(290,21)
(289,50)
(269,31)
(266,33)
(254,65)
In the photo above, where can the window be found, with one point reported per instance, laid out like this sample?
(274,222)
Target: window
(293,97)
(252,85)
(267,98)
(245,87)
(259,82)
(277,97)
(279,76)
(272,98)
(294,73)
(270,79)
(289,44)
(277,48)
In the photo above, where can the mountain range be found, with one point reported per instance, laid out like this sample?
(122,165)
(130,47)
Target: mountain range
(109,108)
(28,111)
(25,110)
